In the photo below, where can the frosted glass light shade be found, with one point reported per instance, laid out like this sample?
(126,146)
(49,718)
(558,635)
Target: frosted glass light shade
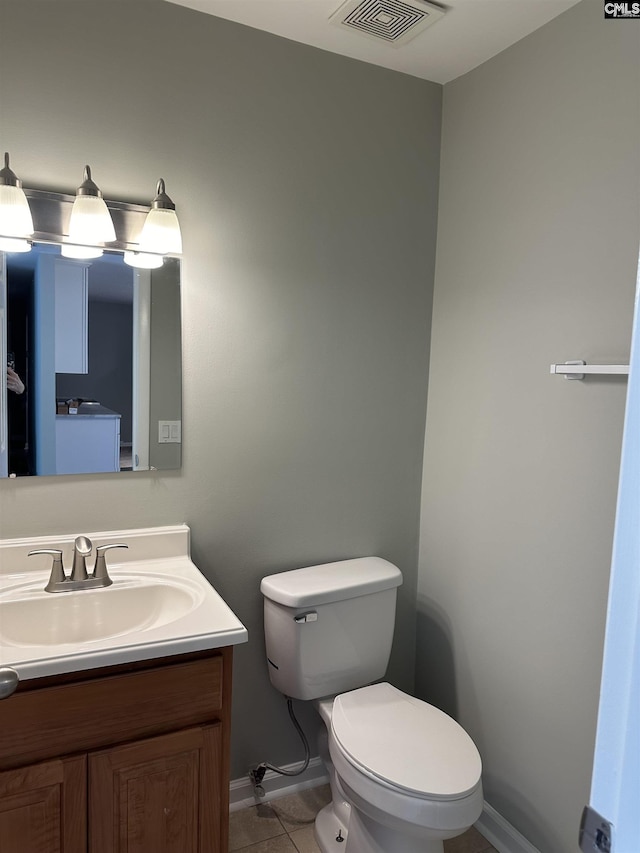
(15,214)
(161,233)
(90,221)
(142,260)
(14,244)
(71,250)
(90,224)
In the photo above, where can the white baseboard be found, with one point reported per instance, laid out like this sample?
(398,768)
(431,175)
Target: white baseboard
(504,837)
(241,793)
(496,829)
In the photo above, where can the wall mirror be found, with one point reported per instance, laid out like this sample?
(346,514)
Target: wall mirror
(97,346)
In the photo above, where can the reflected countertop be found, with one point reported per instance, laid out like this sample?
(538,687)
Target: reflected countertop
(94,410)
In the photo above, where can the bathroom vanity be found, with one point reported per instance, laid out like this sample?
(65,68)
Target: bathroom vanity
(116,744)
(130,758)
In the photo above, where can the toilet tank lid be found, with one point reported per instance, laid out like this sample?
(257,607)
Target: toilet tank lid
(329,582)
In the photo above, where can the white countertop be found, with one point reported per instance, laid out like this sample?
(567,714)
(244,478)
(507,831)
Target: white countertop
(156,567)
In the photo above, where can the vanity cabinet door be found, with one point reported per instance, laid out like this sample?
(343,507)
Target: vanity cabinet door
(161,794)
(43,808)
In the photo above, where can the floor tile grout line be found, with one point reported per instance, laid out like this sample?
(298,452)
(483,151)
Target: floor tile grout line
(249,846)
(280,834)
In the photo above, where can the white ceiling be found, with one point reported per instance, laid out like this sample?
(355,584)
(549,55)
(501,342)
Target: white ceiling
(470,32)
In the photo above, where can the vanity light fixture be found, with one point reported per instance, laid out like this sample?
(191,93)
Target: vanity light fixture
(16,222)
(160,233)
(90,225)
(161,230)
(84,225)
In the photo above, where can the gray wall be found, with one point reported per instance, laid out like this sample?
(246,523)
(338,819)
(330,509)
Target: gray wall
(538,235)
(306,186)
(165,381)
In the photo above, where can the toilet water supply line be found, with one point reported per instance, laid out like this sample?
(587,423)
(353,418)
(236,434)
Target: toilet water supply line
(256,774)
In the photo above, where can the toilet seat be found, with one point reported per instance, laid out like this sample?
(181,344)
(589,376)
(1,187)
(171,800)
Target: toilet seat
(405,743)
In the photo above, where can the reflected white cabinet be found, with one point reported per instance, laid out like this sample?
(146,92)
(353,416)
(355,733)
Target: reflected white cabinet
(87,444)
(71,320)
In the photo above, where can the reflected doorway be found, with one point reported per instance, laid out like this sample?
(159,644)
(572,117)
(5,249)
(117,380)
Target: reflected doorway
(77,338)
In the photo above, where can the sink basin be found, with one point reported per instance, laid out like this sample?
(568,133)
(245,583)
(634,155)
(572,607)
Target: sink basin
(36,618)
(159,605)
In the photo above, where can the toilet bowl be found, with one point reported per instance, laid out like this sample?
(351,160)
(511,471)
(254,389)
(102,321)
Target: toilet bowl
(404,776)
(410,774)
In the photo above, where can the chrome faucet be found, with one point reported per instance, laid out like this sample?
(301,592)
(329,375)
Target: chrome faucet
(79,577)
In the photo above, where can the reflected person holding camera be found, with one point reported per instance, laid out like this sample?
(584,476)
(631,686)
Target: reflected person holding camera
(16,405)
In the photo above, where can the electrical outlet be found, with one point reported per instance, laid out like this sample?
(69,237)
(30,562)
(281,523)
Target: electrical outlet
(169,432)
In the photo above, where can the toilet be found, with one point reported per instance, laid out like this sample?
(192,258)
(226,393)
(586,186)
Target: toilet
(404,776)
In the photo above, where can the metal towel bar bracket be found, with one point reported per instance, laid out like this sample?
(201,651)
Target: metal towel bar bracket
(579,369)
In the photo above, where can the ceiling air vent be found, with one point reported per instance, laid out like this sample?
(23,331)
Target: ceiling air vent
(392,21)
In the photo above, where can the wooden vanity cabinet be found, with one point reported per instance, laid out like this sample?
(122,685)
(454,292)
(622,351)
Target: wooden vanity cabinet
(156,794)
(131,759)
(43,808)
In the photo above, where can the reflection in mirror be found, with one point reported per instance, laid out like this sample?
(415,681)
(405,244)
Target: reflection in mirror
(93,364)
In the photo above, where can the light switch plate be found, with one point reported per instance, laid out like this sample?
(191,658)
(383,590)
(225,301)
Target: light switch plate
(169,432)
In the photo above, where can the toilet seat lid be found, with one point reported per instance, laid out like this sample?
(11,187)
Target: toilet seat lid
(405,742)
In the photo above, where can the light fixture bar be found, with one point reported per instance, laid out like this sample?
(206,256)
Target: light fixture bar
(51,212)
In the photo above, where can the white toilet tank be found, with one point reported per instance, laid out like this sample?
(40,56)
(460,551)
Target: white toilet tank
(329,628)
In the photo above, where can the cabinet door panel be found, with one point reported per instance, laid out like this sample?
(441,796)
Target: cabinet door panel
(71,316)
(43,808)
(156,796)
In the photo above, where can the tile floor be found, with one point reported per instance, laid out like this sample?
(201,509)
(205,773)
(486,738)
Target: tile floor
(286,826)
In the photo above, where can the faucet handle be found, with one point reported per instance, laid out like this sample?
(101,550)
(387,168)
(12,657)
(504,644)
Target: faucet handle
(57,569)
(100,571)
